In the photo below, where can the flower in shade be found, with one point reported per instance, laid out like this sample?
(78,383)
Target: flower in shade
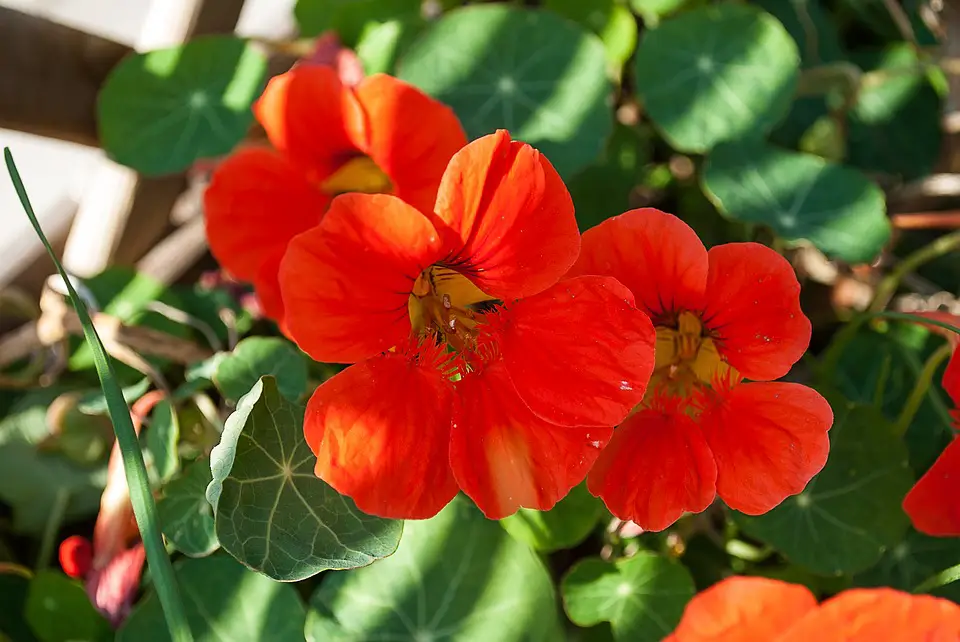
(751,609)
(933,504)
(381,136)
(722,316)
(476,366)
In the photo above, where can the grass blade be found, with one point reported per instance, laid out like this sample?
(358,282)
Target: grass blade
(144,508)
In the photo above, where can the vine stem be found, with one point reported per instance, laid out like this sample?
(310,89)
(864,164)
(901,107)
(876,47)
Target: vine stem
(888,286)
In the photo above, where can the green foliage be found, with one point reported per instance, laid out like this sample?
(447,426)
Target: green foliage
(58,610)
(236,372)
(160,442)
(13,595)
(186,516)
(563,526)
(349,17)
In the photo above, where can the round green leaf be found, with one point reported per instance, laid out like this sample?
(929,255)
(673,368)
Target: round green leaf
(160,111)
(14,586)
(531,72)
(271,512)
(801,197)
(849,514)
(349,17)
(716,73)
(59,610)
(186,517)
(608,19)
(642,597)
(563,526)
(223,601)
(255,357)
(160,441)
(916,558)
(381,43)
(456,576)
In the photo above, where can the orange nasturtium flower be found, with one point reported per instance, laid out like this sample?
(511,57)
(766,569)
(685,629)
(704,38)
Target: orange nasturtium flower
(934,503)
(476,366)
(721,316)
(757,609)
(382,136)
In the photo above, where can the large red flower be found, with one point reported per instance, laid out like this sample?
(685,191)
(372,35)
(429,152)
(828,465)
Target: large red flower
(382,136)
(479,368)
(721,316)
(934,503)
(754,609)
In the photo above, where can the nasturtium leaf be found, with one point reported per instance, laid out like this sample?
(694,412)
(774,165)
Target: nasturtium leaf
(186,516)
(849,514)
(349,17)
(653,11)
(608,19)
(14,586)
(915,559)
(801,197)
(160,442)
(716,73)
(531,72)
(59,610)
(380,44)
(456,576)
(563,526)
(162,110)
(642,597)
(255,357)
(223,601)
(271,512)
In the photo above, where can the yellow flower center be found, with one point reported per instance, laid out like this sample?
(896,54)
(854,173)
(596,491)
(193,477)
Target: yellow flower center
(686,356)
(446,303)
(359,174)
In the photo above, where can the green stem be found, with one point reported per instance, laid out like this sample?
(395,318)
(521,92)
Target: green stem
(919,392)
(144,508)
(888,286)
(52,527)
(944,577)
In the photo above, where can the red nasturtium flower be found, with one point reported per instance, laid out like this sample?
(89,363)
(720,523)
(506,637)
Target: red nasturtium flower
(757,609)
(476,366)
(721,316)
(934,503)
(327,139)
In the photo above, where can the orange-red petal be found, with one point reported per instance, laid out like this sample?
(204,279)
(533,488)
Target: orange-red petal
(505,457)
(381,433)
(410,136)
(745,609)
(752,310)
(655,254)
(951,377)
(933,504)
(871,615)
(579,353)
(656,467)
(256,202)
(508,216)
(346,283)
(768,439)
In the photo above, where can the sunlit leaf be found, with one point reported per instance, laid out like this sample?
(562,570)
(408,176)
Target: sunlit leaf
(716,73)
(801,197)
(563,526)
(380,44)
(160,111)
(272,513)
(237,371)
(349,17)
(456,576)
(849,514)
(653,11)
(58,610)
(608,19)
(160,442)
(642,596)
(186,516)
(223,601)
(539,76)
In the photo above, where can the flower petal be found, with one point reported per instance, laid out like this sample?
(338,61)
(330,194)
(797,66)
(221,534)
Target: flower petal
(655,254)
(512,216)
(951,377)
(753,310)
(869,615)
(505,457)
(346,282)
(409,135)
(769,440)
(932,503)
(381,433)
(578,353)
(256,202)
(656,467)
(745,609)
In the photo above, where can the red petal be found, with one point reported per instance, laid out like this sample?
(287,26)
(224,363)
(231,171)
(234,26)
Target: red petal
(505,457)
(753,310)
(76,556)
(656,255)
(256,202)
(578,353)
(934,503)
(302,112)
(871,615)
(507,206)
(745,609)
(951,377)
(656,467)
(769,440)
(346,283)
(112,588)
(381,433)
(409,135)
